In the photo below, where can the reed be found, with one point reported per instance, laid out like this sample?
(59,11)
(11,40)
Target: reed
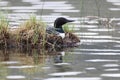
(32,32)
(4,31)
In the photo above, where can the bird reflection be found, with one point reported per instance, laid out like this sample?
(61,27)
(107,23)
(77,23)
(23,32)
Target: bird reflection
(60,65)
(59,58)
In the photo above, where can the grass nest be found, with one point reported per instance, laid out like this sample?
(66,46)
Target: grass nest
(4,32)
(32,34)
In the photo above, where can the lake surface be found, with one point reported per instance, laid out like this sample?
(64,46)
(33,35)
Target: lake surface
(97,24)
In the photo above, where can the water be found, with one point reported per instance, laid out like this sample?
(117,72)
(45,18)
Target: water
(97,57)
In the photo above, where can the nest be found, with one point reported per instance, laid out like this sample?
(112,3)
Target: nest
(47,41)
(32,34)
(4,37)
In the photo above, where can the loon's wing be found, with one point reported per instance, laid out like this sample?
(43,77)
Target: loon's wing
(51,30)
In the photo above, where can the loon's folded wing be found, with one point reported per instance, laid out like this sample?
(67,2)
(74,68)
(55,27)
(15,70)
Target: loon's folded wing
(51,30)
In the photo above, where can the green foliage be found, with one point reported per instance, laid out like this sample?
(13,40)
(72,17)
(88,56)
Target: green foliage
(32,30)
(68,28)
(3,23)
(33,23)
(4,32)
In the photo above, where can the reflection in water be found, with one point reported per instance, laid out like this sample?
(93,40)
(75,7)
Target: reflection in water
(112,69)
(117,75)
(31,63)
(111,65)
(58,58)
(65,74)
(59,63)
(4,55)
(21,67)
(20,64)
(73,78)
(15,77)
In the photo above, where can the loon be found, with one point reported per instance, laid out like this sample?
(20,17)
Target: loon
(57,29)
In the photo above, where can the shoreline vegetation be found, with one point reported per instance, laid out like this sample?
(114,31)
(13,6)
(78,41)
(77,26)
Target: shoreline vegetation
(32,34)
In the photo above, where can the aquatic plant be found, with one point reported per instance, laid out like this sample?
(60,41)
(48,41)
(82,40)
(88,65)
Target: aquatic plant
(31,32)
(4,32)
(68,28)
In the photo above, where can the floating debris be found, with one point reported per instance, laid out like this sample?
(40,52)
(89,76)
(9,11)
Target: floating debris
(95,20)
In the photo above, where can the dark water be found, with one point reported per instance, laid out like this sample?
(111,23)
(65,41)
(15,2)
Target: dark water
(97,57)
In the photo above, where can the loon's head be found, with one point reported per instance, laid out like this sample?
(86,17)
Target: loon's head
(59,22)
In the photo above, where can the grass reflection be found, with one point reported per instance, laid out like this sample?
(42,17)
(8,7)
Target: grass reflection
(3,72)
(31,63)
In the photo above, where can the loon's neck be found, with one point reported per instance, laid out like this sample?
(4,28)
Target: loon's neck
(59,30)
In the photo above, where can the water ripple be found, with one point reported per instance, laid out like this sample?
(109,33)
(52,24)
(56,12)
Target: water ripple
(65,73)
(78,78)
(111,75)
(15,77)
(101,60)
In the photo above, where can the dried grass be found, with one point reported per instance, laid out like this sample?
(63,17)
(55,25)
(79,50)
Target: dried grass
(32,34)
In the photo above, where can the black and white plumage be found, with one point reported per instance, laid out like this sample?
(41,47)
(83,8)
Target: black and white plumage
(57,28)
